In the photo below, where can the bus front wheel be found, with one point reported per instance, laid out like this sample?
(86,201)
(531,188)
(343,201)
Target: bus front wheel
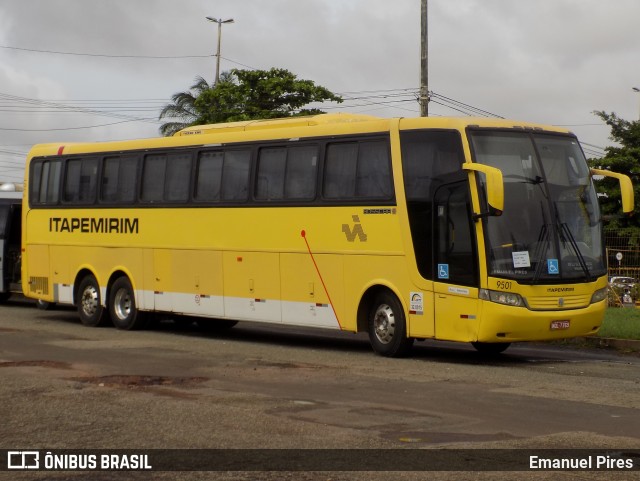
(122,306)
(388,327)
(90,309)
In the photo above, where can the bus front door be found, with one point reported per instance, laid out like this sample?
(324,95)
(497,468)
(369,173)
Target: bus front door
(455,264)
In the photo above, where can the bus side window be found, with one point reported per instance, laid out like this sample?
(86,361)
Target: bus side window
(358,170)
(272,164)
(223,176)
(45,182)
(119,179)
(287,173)
(209,176)
(235,175)
(153,175)
(374,174)
(34,182)
(166,177)
(302,173)
(178,178)
(80,181)
(340,170)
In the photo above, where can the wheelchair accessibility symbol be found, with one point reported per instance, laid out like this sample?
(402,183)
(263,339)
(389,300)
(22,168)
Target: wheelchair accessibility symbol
(553,267)
(443,271)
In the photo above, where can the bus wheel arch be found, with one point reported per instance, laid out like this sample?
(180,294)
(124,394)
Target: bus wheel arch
(121,303)
(382,315)
(88,299)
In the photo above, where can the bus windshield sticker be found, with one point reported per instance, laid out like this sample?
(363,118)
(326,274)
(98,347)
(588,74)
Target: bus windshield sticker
(553,266)
(443,271)
(521,259)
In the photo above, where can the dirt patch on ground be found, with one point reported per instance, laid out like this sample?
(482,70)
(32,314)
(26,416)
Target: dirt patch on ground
(136,381)
(48,364)
(175,387)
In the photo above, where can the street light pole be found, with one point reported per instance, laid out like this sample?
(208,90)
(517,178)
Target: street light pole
(637,90)
(219,21)
(424,60)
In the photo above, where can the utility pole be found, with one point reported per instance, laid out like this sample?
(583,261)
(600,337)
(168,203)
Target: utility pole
(424,61)
(219,21)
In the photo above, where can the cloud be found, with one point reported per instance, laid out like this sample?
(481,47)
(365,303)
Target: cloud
(550,61)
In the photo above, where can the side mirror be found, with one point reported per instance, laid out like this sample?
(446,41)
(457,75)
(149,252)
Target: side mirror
(494,185)
(626,188)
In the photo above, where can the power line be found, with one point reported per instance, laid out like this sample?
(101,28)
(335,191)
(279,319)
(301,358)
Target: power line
(103,55)
(70,128)
(66,108)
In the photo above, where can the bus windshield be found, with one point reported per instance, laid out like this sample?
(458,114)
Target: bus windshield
(550,230)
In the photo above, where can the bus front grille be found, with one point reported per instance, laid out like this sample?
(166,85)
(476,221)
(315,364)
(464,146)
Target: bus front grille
(540,303)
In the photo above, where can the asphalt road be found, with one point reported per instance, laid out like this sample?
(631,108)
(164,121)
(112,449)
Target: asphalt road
(66,386)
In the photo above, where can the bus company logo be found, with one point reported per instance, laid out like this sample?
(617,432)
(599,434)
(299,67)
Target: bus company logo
(91,225)
(23,460)
(416,306)
(356,231)
(560,289)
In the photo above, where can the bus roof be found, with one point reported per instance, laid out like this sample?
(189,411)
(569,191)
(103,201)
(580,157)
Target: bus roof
(292,127)
(306,121)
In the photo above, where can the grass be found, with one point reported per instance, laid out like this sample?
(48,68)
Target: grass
(621,323)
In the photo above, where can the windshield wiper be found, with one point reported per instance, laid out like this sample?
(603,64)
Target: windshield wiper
(567,237)
(541,248)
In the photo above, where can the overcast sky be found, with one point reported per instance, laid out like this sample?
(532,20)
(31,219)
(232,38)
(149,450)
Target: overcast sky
(548,61)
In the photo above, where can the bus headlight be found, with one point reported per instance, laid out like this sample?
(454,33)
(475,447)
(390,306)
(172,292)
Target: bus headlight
(599,295)
(506,298)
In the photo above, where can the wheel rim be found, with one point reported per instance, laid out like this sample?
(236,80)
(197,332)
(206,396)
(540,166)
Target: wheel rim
(384,324)
(90,301)
(122,304)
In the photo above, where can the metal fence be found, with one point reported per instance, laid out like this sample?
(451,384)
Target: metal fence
(623,256)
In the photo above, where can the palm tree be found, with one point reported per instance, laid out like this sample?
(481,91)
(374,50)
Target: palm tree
(182,109)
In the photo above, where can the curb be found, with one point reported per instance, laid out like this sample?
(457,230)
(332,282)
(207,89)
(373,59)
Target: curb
(606,342)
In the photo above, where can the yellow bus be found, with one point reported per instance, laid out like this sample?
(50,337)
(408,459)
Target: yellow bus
(470,230)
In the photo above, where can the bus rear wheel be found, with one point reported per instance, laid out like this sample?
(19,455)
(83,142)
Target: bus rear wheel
(122,306)
(388,327)
(90,308)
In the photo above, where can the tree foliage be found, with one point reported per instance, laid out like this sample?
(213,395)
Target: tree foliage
(624,159)
(244,95)
(182,110)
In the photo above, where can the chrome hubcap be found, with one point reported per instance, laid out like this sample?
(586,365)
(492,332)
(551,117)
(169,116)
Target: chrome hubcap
(89,301)
(122,304)
(384,324)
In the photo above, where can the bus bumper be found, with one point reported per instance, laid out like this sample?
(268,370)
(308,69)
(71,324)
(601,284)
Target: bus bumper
(502,323)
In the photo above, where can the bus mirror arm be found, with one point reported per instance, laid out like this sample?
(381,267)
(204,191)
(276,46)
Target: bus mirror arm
(495,188)
(626,188)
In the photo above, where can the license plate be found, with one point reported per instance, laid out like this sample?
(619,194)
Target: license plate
(560,325)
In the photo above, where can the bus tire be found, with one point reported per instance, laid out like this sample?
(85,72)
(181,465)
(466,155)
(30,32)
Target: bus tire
(387,326)
(90,309)
(491,348)
(122,306)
